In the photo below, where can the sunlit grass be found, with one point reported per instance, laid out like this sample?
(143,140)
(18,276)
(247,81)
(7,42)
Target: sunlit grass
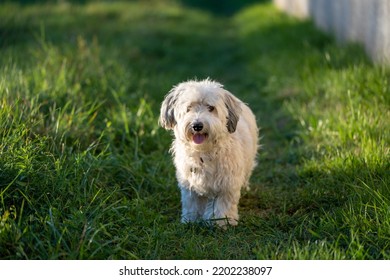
(85,171)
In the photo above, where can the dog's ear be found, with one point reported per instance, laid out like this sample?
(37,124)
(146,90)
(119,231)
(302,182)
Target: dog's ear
(233,106)
(167,112)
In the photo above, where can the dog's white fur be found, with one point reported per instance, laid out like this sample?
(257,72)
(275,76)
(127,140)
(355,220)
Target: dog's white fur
(213,160)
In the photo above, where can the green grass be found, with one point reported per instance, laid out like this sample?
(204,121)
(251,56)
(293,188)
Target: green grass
(85,171)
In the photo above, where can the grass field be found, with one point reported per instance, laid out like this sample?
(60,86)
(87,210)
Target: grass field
(85,171)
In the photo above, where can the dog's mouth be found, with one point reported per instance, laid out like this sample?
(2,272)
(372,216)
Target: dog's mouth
(199,138)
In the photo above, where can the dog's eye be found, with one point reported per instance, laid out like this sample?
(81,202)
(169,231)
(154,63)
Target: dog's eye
(210,108)
(188,109)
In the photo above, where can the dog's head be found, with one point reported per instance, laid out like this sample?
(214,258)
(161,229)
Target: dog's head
(199,111)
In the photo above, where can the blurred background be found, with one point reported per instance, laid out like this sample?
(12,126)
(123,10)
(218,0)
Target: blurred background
(366,22)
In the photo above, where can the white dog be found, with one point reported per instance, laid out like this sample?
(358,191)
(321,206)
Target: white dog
(214,150)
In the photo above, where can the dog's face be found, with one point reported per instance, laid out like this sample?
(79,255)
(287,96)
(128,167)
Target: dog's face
(200,112)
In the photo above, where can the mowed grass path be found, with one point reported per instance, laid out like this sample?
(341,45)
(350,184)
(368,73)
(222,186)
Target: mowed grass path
(85,171)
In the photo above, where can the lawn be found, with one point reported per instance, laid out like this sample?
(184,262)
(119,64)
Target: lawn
(85,171)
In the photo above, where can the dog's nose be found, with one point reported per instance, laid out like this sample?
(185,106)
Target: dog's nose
(198,126)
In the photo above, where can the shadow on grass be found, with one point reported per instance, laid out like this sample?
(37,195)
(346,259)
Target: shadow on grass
(222,8)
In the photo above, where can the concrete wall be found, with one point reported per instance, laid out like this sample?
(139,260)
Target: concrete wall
(363,21)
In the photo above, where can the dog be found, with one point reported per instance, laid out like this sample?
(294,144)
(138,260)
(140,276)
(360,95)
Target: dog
(214,149)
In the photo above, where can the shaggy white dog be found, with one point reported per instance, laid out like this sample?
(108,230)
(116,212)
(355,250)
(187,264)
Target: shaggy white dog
(214,148)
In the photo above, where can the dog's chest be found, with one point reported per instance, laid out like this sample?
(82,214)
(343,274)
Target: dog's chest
(203,174)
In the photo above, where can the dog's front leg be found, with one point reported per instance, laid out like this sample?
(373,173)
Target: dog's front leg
(223,210)
(193,205)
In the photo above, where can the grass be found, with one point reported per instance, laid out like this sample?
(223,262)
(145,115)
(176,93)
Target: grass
(85,171)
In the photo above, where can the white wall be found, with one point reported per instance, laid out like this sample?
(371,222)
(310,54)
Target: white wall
(363,21)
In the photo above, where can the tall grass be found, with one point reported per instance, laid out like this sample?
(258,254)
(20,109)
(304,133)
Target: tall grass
(85,171)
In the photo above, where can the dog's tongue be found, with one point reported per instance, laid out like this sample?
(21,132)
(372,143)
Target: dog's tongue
(198,138)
